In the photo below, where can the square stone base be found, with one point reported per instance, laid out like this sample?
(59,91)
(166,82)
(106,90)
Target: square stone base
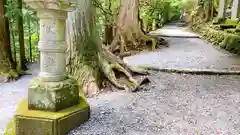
(29,122)
(52,96)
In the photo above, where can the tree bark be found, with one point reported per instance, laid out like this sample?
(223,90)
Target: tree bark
(209,10)
(89,62)
(6,61)
(13,43)
(128,28)
(30,40)
(21,37)
(108,30)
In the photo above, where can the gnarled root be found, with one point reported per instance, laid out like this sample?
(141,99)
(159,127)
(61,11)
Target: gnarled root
(134,40)
(109,64)
(90,77)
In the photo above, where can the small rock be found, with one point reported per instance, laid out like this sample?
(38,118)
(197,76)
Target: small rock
(4,79)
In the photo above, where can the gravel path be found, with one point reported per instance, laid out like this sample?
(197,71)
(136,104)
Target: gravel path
(174,31)
(171,105)
(11,94)
(186,53)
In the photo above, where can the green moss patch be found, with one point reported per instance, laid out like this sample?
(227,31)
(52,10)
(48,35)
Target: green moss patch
(238,27)
(22,110)
(229,24)
(232,30)
(10,130)
(225,39)
(45,114)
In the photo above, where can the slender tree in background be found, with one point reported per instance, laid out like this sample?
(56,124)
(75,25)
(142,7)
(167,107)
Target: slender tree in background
(6,61)
(29,39)
(108,30)
(21,37)
(13,43)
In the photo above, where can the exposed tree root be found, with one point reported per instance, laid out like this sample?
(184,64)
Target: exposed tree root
(107,66)
(92,63)
(125,42)
(110,63)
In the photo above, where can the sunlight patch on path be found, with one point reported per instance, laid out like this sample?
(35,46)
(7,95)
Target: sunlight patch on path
(169,31)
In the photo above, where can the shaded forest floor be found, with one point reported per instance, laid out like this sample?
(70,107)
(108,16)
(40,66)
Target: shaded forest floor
(170,105)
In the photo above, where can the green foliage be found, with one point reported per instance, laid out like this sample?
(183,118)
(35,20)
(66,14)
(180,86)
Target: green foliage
(238,27)
(231,30)
(162,11)
(30,26)
(229,24)
(224,39)
(187,4)
(106,12)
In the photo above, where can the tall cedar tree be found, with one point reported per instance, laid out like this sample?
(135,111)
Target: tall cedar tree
(6,61)
(21,36)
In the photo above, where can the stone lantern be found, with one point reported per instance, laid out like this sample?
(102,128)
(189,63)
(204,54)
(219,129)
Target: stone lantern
(54,106)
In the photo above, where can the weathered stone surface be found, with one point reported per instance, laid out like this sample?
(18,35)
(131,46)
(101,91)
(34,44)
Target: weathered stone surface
(50,123)
(52,44)
(51,4)
(52,96)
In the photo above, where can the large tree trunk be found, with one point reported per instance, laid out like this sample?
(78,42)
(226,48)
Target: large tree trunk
(209,9)
(21,37)
(89,61)
(6,61)
(128,28)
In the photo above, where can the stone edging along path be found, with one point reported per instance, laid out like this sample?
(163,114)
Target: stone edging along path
(193,71)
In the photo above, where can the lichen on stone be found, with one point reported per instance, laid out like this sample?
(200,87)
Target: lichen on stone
(53,96)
